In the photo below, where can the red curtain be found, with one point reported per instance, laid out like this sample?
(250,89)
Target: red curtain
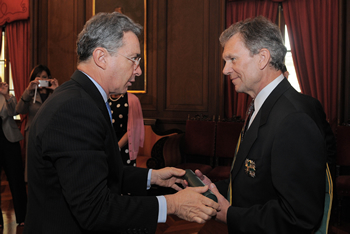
(15,14)
(313,33)
(236,104)
(18,43)
(12,10)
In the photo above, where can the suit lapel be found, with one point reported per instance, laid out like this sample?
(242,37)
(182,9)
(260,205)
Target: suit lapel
(259,120)
(249,139)
(91,89)
(115,163)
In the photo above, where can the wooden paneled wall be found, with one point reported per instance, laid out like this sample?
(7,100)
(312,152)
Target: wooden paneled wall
(54,29)
(183,53)
(184,60)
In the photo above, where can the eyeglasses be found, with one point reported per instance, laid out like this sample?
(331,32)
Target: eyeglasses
(135,60)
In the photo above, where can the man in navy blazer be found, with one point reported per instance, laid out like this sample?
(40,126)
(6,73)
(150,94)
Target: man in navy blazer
(277,182)
(76,179)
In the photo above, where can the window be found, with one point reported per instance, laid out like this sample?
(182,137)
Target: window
(289,63)
(5,66)
(292,78)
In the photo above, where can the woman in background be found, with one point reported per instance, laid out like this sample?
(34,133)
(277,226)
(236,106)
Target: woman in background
(128,124)
(34,96)
(11,157)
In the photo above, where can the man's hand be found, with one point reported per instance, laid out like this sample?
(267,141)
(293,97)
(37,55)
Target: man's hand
(205,179)
(223,202)
(168,177)
(189,204)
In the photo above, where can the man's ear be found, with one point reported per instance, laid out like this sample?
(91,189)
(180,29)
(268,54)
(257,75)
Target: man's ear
(264,58)
(100,56)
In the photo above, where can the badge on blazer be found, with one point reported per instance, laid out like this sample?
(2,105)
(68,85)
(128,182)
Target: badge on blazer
(250,167)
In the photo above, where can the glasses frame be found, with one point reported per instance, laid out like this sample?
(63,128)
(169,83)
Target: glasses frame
(136,61)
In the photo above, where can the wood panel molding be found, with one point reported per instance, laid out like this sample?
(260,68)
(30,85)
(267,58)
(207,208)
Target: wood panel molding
(183,52)
(187,79)
(185,58)
(56,25)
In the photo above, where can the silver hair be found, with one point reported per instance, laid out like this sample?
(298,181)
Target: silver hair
(104,30)
(259,33)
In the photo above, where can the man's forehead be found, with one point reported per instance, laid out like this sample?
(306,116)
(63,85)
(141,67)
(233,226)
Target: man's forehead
(233,45)
(131,43)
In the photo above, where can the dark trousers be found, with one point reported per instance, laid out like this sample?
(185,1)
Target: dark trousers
(11,162)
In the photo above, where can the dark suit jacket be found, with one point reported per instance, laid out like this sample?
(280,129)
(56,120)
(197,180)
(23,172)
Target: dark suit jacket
(75,172)
(286,140)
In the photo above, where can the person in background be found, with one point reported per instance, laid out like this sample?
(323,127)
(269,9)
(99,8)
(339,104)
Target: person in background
(34,96)
(77,180)
(128,124)
(10,157)
(278,179)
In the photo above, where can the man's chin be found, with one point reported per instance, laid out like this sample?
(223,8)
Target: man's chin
(237,88)
(120,91)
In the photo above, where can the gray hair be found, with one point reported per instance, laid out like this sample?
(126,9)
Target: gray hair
(259,33)
(104,30)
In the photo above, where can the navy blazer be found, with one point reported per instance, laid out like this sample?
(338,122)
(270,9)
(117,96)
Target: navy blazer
(287,143)
(77,181)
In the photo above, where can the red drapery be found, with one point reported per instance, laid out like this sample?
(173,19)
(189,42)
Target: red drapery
(18,44)
(313,33)
(15,14)
(12,10)
(236,104)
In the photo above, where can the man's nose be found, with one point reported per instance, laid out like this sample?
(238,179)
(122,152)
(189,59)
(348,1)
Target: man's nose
(138,71)
(227,69)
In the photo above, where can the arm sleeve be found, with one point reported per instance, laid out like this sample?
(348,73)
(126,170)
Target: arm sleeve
(24,102)
(77,143)
(11,106)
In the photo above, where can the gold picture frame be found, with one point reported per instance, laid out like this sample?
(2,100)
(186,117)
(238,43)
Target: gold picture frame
(137,11)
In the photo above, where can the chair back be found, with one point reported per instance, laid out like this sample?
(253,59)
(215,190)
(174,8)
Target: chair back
(323,229)
(227,134)
(343,145)
(200,138)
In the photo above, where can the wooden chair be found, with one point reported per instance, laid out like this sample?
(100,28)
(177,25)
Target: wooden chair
(193,149)
(323,229)
(342,181)
(227,134)
(199,145)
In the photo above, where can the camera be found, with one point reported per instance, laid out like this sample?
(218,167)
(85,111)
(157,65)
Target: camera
(44,83)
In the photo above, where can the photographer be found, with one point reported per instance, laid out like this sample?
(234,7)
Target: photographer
(40,87)
(10,157)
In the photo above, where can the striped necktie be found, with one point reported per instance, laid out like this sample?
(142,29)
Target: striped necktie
(249,114)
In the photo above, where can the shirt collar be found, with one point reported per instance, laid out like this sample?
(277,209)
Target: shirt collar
(103,93)
(263,94)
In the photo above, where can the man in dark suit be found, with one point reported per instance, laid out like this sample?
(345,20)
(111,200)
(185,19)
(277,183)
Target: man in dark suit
(76,179)
(277,182)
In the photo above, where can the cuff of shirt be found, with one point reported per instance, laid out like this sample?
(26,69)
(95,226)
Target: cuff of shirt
(162,212)
(149,179)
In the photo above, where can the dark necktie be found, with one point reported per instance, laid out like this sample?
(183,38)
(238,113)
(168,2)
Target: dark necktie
(249,114)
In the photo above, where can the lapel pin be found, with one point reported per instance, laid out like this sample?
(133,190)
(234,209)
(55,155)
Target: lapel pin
(250,167)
